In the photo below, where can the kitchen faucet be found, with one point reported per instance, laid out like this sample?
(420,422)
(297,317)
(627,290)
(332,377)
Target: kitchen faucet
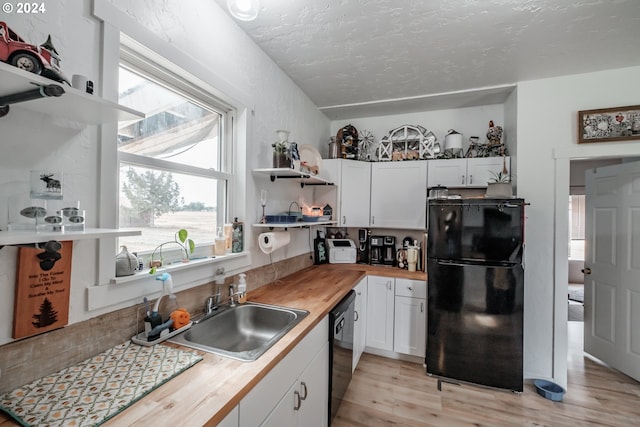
(213,302)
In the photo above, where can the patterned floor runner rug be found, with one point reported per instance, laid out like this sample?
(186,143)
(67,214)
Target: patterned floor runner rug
(97,389)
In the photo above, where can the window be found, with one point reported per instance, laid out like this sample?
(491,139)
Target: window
(576,226)
(174,164)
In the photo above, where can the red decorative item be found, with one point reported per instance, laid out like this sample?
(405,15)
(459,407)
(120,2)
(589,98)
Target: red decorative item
(43,59)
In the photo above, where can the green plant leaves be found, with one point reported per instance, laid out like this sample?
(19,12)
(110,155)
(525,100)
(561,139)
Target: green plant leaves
(182,235)
(192,245)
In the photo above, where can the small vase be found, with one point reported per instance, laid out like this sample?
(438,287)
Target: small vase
(281,160)
(283,135)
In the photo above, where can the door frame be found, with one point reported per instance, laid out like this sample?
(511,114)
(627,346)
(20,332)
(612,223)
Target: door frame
(561,245)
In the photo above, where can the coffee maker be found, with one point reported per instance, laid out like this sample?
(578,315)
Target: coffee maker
(375,249)
(363,246)
(388,250)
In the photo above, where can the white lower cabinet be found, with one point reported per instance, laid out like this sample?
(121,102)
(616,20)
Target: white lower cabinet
(360,322)
(231,420)
(380,306)
(306,401)
(295,392)
(409,336)
(396,315)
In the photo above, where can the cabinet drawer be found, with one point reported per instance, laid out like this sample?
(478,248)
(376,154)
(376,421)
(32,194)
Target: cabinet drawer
(411,288)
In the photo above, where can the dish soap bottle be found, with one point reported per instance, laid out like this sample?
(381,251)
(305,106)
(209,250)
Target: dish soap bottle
(242,288)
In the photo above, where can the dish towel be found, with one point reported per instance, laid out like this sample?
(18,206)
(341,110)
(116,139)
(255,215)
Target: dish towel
(91,392)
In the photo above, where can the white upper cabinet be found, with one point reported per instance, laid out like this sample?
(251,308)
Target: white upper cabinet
(399,194)
(447,173)
(353,179)
(467,173)
(481,169)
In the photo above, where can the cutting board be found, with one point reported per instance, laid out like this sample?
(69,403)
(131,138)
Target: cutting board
(43,285)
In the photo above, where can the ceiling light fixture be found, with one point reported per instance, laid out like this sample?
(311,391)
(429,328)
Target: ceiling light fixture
(244,10)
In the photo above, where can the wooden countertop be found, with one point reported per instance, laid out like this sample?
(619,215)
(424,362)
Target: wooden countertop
(205,393)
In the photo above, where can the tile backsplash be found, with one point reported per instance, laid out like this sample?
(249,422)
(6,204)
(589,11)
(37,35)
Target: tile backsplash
(25,360)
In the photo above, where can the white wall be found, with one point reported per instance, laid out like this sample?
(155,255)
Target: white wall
(547,138)
(36,142)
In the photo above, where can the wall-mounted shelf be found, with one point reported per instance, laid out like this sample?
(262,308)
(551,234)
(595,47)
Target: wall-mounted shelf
(294,224)
(26,237)
(296,176)
(73,105)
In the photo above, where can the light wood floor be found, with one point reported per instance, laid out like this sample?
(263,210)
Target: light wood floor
(385,392)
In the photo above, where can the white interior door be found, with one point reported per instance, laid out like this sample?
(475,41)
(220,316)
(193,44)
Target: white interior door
(612,267)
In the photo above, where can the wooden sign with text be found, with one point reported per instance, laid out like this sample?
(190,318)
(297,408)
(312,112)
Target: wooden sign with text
(43,284)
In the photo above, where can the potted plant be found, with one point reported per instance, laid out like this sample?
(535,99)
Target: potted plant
(181,238)
(499,185)
(281,150)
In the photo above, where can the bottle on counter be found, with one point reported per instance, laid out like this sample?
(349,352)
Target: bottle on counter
(237,236)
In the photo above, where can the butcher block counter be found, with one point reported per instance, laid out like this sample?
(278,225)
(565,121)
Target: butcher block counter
(205,393)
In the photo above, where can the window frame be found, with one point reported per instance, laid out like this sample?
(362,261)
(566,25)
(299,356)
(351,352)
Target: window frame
(155,72)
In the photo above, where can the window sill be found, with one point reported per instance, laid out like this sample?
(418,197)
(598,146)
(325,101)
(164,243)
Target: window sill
(176,266)
(122,292)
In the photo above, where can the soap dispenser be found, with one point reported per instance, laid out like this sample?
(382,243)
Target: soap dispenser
(242,288)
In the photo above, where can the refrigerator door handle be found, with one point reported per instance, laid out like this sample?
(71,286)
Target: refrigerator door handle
(482,263)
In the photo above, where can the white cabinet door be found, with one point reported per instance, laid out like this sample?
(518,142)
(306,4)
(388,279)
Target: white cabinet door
(282,381)
(360,323)
(448,173)
(231,420)
(380,306)
(313,387)
(480,169)
(355,189)
(285,412)
(399,194)
(410,326)
(306,401)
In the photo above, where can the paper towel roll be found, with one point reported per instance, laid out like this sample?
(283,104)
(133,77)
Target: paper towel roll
(269,242)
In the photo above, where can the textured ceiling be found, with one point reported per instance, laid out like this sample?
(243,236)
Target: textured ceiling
(343,52)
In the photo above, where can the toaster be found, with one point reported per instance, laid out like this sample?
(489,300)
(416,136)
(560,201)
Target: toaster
(341,251)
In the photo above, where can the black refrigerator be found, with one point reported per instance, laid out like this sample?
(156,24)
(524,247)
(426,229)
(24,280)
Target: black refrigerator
(475,291)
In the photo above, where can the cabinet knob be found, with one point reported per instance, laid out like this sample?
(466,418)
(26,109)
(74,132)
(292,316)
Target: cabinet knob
(410,288)
(344,219)
(586,270)
(421,307)
(470,179)
(462,180)
(373,219)
(356,316)
(304,390)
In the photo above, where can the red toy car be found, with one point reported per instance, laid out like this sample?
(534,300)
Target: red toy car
(35,59)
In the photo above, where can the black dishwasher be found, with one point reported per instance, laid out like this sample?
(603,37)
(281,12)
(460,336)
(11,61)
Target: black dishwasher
(341,351)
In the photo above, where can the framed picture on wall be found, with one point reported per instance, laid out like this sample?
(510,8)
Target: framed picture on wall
(609,124)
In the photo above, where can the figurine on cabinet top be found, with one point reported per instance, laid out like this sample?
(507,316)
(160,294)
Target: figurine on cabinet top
(494,134)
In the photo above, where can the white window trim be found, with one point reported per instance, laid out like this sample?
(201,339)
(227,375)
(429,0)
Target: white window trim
(109,294)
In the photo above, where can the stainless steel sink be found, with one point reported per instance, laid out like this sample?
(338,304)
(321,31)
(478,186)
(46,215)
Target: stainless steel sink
(243,332)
